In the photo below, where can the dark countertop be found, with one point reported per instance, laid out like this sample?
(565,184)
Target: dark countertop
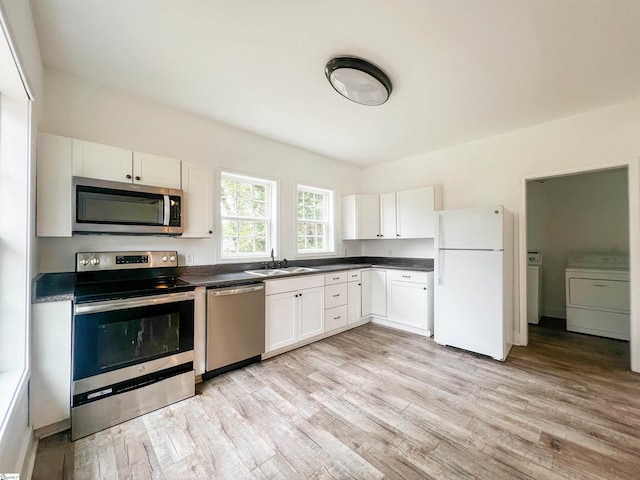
(54,287)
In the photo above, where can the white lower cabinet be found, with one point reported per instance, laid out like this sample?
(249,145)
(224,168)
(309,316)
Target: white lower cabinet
(374,293)
(401,299)
(50,383)
(335,301)
(354,296)
(408,297)
(294,311)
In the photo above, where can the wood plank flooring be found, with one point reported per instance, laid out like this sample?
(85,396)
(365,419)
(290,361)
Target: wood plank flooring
(376,403)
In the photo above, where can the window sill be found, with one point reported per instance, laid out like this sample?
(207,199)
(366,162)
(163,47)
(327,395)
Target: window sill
(11,382)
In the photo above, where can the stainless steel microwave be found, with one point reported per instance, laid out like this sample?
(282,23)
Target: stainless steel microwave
(100,206)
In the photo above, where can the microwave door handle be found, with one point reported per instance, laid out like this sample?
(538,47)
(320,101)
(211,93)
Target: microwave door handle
(167,210)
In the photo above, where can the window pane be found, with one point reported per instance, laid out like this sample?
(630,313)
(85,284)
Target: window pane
(246,245)
(259,209)
(259,193)
(229,228)
(229,245)
(260,229)
(310,243)
(308,213)
(320,243)
(261,245)
(245,229)
(228,197)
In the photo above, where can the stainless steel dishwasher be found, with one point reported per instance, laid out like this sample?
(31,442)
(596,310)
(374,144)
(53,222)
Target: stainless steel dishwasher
(235,328)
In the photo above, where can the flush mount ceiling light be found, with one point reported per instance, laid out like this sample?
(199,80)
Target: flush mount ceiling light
(358,80)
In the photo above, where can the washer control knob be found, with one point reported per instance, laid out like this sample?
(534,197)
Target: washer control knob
(164,258)
(95,261)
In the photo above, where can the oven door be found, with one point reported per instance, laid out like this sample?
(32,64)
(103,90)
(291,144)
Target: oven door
(117,340)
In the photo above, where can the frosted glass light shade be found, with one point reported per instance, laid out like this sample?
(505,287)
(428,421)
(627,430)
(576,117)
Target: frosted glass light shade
(358,80)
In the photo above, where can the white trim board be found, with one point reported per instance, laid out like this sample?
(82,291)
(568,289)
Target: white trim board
(521,336)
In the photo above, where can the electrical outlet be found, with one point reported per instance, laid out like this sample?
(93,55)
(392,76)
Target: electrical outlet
(188,258)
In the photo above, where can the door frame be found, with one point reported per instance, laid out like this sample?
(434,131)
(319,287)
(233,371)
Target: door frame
(521,336)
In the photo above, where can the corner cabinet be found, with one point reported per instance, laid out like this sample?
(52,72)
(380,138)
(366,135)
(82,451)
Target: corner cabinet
(197,216)
(399,215)
(294,311)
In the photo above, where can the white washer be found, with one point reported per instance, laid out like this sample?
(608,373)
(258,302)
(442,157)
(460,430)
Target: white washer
(597,294)
(534,287)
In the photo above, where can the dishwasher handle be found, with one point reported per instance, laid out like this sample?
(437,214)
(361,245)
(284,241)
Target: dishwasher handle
(235,290)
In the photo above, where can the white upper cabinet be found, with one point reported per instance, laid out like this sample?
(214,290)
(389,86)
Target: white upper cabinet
(53,186)
(405,214)
(387,216)
(93,160)
(156,170)
(414,210)
(197,211)
(360,217)
(104,162)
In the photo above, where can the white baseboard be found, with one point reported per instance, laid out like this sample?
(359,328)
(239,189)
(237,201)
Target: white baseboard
(554,312)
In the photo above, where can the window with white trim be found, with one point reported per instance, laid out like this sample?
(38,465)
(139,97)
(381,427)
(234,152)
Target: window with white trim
(315,220)
(247,212)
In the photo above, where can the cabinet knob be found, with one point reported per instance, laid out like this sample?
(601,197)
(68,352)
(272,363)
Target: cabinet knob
(129,177)
(397,234)
(210,232)
(138,178)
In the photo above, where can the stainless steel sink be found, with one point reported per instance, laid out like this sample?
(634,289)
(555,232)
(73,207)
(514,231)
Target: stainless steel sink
(299,269)
(269,272)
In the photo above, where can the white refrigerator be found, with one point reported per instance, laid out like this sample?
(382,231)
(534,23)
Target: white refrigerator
(473,294)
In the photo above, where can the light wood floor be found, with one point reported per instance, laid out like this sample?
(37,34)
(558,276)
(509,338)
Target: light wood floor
(376,403)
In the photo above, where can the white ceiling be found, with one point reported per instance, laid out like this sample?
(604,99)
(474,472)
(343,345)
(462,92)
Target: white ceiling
(461,69)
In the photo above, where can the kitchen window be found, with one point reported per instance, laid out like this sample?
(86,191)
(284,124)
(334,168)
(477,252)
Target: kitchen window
(247,207)
(315,220)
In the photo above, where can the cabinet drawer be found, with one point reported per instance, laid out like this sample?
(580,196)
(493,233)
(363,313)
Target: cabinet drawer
(335,295)
(354,275)
(335,318)
(594,293)
(407,276)
(335,277)
(291,284)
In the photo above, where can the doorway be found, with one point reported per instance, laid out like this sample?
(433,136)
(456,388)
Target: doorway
(575,213)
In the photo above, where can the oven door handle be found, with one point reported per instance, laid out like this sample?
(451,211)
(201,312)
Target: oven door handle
(147,301)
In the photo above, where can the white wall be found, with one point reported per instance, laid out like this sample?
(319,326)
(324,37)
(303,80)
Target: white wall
(76,109)
(586,213)
(491,171)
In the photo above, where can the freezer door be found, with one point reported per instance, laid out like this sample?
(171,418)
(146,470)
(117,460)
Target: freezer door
(473,229)
(469,302)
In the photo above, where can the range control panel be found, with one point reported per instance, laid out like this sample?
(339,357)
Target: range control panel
(98,261)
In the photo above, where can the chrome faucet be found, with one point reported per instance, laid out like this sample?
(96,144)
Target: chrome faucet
(273,260)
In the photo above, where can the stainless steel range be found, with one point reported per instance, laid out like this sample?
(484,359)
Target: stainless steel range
(132,346)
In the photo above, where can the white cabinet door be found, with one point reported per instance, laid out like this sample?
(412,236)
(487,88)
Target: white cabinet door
(415,213)
(408,304)
(354,305)
(388,216)
(360,217)
(50,384)
(53,190)
(281,320)
(374,293)
(156,170)
(103,162)
(197,211)
(311,312)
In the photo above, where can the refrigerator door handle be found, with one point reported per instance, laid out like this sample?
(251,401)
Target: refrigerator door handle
(440,267)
